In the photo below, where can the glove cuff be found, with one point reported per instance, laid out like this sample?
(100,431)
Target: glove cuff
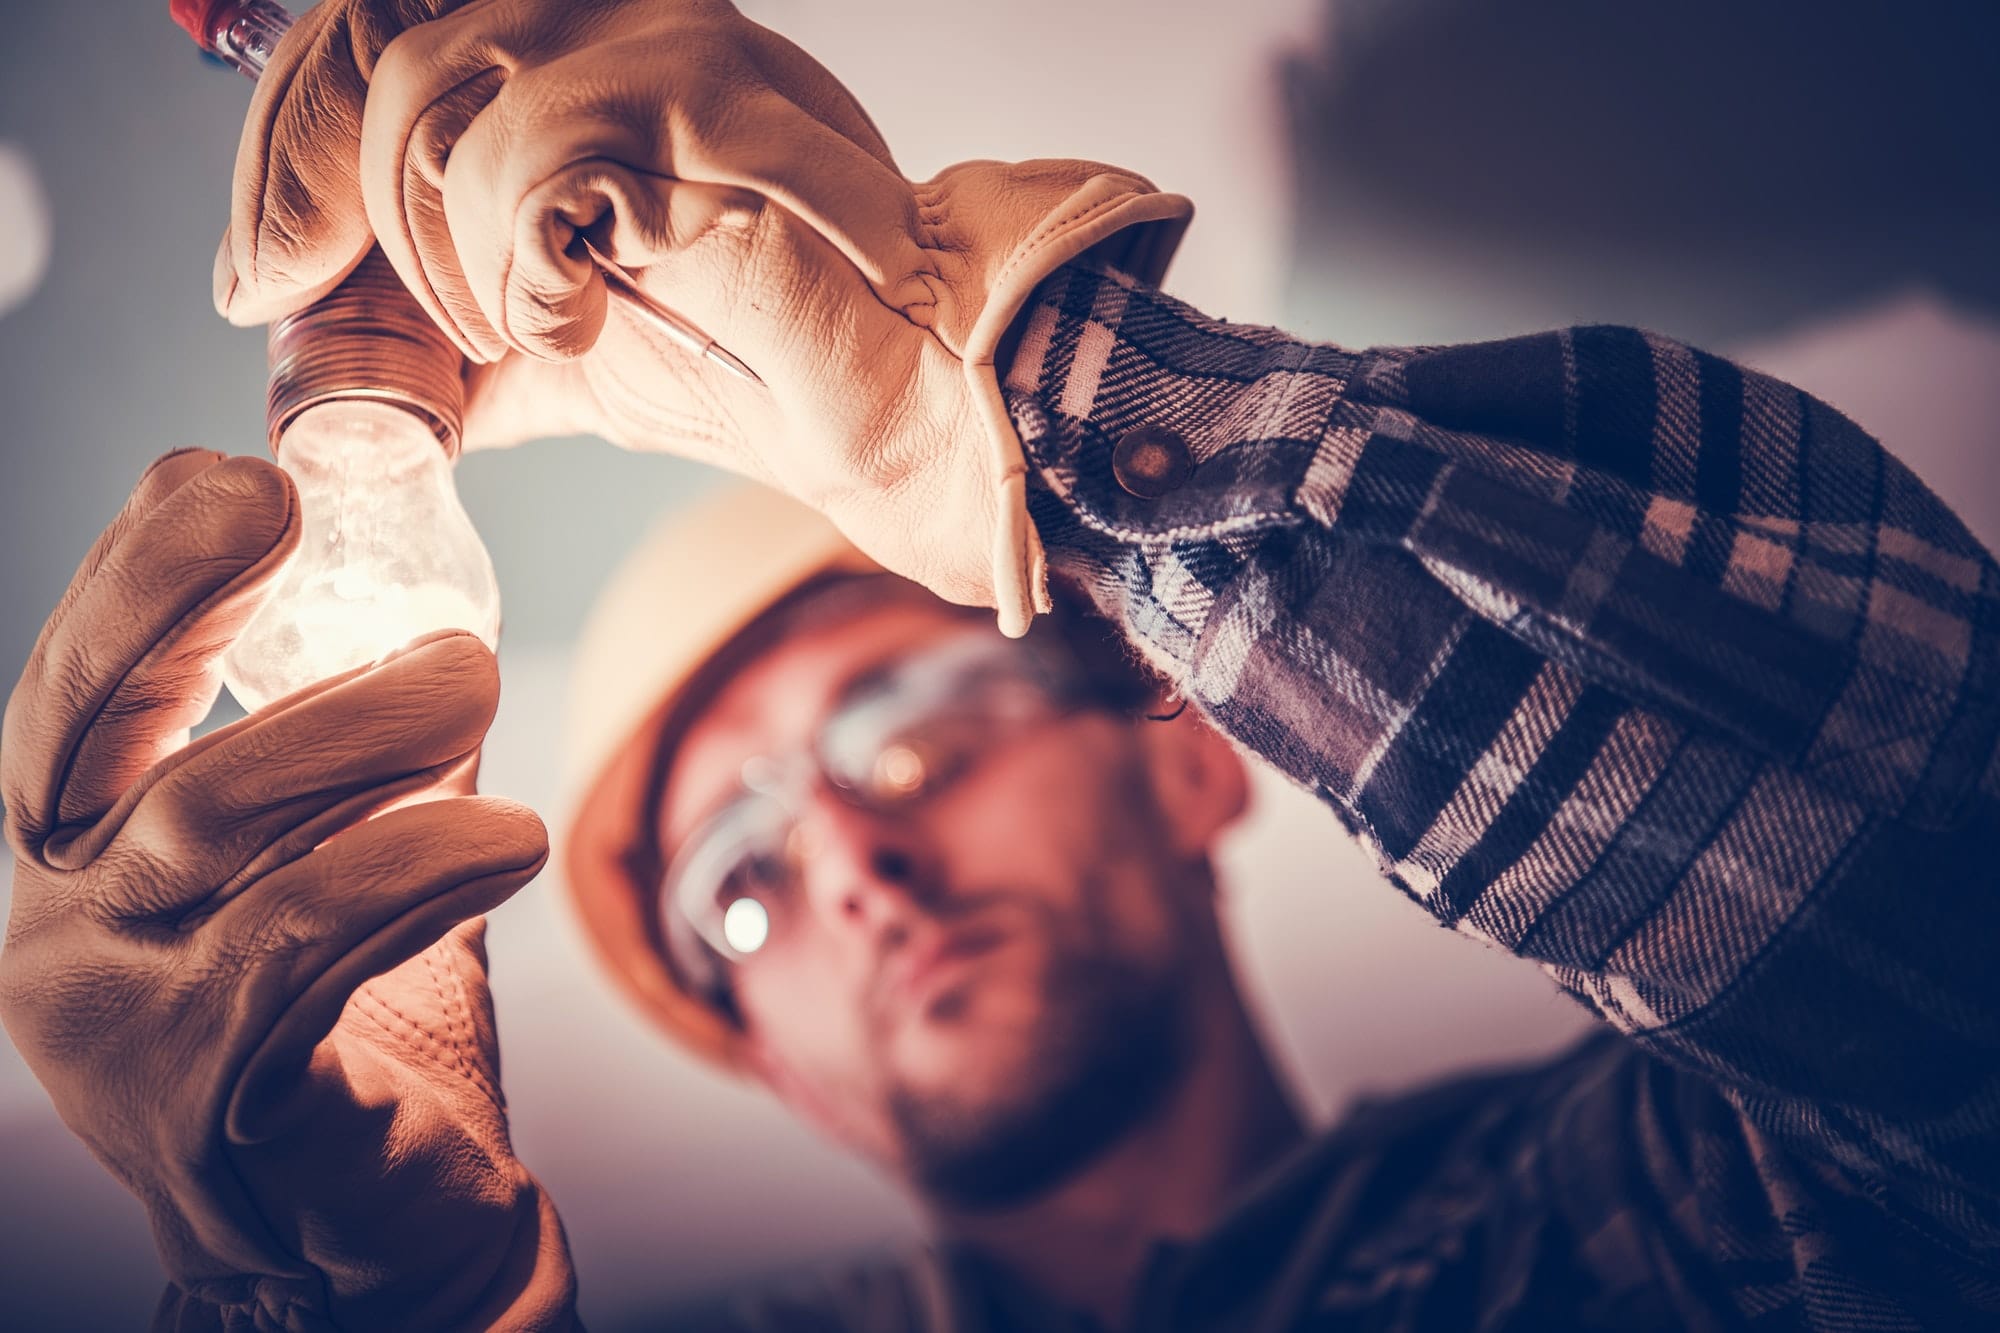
(1120,219)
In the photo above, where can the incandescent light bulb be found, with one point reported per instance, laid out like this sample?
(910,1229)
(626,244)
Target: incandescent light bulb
(364,411)
(387,553)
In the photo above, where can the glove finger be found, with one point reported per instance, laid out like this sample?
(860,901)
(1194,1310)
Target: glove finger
(730,165)
(671,102)
(296,224)
(363,903)
(162,477)
(430,87)
(638,389)
(749,109)
(774,122)
(541,287)
(128,662)
(213,818)
(430,84)
(419,237)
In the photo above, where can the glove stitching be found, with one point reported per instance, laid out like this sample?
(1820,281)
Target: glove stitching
(687,428)
(446,1003)
(461,996)
(407,1031)
(470,1075)
(1025,251)
(457,1063)
(1042,233)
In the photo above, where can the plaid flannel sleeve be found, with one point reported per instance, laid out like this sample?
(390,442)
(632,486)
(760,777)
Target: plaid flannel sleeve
(1624,658)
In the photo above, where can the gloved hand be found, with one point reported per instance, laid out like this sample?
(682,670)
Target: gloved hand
(256,1004)
(298,150)
(752,194)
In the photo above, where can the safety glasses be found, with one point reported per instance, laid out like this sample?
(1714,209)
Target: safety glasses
(897,737)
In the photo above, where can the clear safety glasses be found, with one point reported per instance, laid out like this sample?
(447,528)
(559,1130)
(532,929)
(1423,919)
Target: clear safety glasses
(897,736)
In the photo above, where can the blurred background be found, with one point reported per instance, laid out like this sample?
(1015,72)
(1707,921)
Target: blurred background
(1812,188)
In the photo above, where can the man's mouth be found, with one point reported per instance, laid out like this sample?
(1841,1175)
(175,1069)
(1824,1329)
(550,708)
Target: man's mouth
(927,965)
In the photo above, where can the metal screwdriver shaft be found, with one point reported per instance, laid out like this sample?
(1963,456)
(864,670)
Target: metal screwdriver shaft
(623,285)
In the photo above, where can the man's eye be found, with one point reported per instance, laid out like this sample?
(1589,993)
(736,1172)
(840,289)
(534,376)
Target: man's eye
(918,764)
(760,876)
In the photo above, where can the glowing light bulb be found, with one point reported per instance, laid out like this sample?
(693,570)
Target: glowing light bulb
(366,392)
(386,554)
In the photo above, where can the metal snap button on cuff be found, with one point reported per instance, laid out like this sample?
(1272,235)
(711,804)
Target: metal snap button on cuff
(1151,462)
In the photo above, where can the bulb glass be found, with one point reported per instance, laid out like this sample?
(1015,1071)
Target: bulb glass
(386,553)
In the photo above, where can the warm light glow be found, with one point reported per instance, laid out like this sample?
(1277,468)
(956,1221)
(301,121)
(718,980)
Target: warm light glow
(25,229)
(746,925)
(386,554)
(900,769)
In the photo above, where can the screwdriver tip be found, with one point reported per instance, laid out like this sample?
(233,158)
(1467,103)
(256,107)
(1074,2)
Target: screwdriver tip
(730,362)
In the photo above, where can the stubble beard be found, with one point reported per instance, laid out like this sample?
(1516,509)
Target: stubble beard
(1114,1044)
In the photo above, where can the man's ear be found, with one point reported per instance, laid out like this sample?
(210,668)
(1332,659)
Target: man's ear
(1198,780)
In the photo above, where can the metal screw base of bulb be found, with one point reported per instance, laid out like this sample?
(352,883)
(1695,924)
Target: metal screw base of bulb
(366,339)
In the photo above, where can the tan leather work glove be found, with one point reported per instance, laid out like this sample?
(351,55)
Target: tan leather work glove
(285,247)
(752,194)
(263,1010)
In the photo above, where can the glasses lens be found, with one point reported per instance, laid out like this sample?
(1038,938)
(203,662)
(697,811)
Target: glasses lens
(898,736)
(907,731)
(726,889)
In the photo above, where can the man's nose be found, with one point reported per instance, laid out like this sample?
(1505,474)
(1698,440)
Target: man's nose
(863,871)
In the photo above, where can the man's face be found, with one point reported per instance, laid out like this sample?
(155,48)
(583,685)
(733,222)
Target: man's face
(984,989)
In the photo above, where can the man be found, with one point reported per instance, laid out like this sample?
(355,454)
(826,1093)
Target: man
(1631,662)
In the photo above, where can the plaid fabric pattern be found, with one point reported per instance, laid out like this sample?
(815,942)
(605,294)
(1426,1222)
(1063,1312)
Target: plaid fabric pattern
(1635,663)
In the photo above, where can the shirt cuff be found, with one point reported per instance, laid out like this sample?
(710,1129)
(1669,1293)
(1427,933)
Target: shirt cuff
(1235,412)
